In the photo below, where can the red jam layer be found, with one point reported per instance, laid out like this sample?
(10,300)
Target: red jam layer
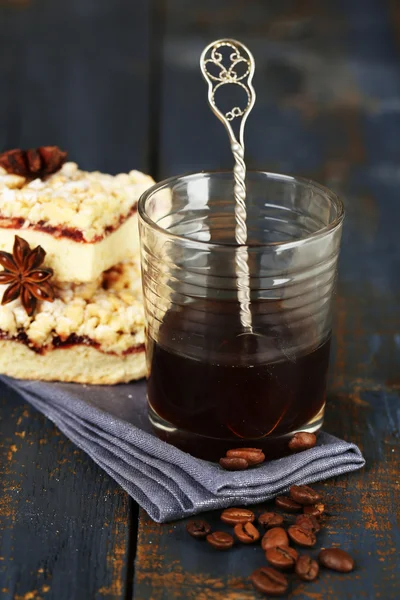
(69,342)
(71,233)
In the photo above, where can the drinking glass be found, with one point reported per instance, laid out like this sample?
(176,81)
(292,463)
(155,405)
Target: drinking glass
(212,384)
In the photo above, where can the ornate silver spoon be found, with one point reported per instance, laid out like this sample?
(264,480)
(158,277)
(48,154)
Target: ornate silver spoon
(239,72)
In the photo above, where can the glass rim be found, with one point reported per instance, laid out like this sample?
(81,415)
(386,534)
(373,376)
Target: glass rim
(167,183)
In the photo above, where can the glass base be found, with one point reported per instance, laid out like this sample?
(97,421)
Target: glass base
(212,449)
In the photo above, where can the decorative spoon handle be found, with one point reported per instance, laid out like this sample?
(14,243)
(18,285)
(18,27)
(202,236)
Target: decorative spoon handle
(239,72)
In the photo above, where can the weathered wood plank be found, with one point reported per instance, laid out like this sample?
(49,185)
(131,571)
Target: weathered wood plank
(74,74)
(328,89)
(81,79)
(8,54)
(63,524)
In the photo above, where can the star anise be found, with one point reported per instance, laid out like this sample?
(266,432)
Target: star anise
(23,276)
(33,163)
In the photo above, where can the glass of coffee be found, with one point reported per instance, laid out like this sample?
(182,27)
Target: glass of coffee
(211,385)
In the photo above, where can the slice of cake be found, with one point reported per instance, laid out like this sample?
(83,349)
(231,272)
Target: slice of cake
(86,222)
(90,333)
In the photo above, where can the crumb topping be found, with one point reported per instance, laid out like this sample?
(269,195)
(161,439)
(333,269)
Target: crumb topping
(91,202)
(109,312)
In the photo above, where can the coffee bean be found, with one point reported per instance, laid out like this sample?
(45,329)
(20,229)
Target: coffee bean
(302,537)
(198,529)
(270,582)
(336,559)
(315,510)
(302,441)
(232,516)
(306,568)
(303,494)
(287,504)
(274,537)
(254,456)
(233,464)
(220,540)
(281,557)
(246,533)
(270,519)
(308,522)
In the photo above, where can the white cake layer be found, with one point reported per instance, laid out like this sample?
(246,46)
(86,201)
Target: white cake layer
(79,261)
(78,363)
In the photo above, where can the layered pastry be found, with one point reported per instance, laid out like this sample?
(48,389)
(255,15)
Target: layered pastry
(85,221)
(88,333)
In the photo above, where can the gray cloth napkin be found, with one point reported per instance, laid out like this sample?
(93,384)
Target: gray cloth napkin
(110,424)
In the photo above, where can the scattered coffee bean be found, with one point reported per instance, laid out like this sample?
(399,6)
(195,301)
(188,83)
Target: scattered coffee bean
(306,568)
(233,516)
(254,456)
(316,510)
(282,557)
(270,519)
(233,464)
(303,494)
(220,540)
(308,522)
(246,533)
(302,537)
(270,582)
(275,541)
(302,441)
(336,559)
(274,537)
(198,529)
(287,504)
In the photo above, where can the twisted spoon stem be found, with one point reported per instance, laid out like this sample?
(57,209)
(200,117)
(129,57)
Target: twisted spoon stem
(242,256)
(237,71)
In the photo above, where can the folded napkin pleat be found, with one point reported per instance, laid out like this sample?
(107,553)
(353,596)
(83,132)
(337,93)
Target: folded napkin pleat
(120,457)
(110,424)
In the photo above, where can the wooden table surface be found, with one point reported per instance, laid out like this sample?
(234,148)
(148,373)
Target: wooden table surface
(117,83)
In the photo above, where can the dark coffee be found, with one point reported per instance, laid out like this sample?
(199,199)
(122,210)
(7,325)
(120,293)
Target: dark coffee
(275,542)
(198,529)
(206,378)
(336,559)
(233,516)
(303,494)
(315,510)
(282,557)
(274,537)
(302,441)
(308,522)
(306,568)
(220,540)
(246,533)
(269,581)
(253,456)
(287,504)
(270,519)
(302,537)
(233,464)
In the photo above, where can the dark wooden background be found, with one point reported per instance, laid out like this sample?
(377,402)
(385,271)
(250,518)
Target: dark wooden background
(117,84)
